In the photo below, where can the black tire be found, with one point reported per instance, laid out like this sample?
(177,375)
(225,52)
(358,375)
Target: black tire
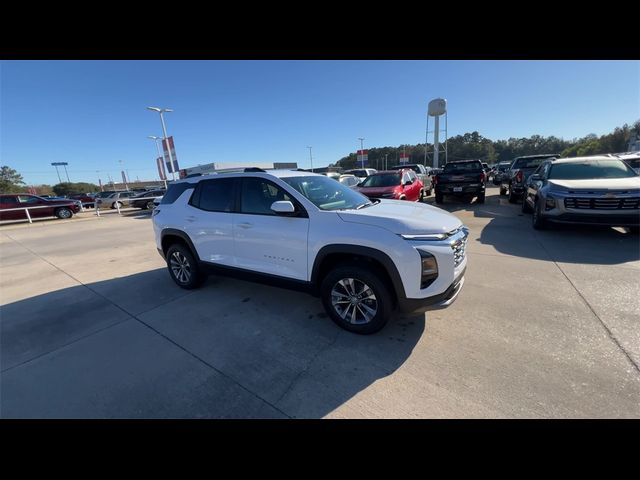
(338,282)
(191,276)
(64,213)
(113,205)
(421,197)
(512,197)
(429,193)
(439,197)
(150,205)
(525,206)
(480,198)
(537,221)
(503,191)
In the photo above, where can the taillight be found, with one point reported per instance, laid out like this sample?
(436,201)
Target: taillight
(482,177)
(519,176)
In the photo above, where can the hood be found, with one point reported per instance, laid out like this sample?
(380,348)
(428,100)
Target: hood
(374,191)
(402,217)
(629,183)
(63,202)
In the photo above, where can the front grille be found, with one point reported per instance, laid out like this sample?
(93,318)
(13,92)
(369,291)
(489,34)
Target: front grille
(585,203)
(459,248)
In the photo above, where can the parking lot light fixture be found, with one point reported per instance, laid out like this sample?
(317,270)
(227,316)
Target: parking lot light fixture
(164,132)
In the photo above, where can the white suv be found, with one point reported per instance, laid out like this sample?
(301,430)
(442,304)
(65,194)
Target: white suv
(306,231)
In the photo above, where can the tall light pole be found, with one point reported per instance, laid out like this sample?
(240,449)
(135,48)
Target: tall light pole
(311,159)
(164,132)
(156,139)
(362,149)
(55,164)
(126,187)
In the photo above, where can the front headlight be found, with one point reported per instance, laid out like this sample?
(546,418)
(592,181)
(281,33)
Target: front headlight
(428,269)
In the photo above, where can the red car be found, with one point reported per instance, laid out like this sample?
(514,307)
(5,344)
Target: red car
(394,184)
(51,208)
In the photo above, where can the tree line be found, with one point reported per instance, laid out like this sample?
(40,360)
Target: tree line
(475,146)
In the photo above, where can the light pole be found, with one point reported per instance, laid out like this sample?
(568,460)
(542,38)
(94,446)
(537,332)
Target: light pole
(311,159)
(57,171)
(153,137)
(164,132)
(126,187)
(361,150)
(99,181)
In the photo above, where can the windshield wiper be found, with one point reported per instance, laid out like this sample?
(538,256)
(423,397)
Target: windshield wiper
(364,205)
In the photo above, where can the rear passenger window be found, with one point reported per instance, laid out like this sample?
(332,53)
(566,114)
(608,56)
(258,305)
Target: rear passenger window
(175,191)
(215,195)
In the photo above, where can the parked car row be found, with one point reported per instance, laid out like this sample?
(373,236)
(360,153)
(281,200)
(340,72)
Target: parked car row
(12,206)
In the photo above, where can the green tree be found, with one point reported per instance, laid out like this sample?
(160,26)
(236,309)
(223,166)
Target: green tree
(10,180)
(69,188)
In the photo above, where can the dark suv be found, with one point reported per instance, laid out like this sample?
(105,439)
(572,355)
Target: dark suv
(514,181)
(465,178)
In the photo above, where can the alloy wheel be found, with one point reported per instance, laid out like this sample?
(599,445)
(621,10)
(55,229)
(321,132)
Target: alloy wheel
(180,267)
(354,301)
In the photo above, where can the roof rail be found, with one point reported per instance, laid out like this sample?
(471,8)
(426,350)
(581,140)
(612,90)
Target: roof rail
(253,169)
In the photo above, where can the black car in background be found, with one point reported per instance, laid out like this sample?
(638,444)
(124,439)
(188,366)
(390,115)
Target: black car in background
(465,178)
(145,199)
(522,168)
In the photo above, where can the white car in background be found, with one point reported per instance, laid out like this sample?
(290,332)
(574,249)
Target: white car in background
(349,180)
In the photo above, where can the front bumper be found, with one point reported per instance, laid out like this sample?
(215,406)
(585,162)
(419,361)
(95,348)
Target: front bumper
(614,220)
(465,189)
(437,302)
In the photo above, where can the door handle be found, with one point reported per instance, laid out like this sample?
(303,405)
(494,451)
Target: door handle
(190,218)
(245,225)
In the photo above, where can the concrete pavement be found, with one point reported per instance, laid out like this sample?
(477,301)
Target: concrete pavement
(91,326)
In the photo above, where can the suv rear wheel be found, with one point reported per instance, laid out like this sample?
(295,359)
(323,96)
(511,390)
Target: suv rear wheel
(183,267)
(356,299)
(513,198)
(438,197)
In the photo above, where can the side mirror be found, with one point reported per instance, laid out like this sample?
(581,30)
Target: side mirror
(283,207)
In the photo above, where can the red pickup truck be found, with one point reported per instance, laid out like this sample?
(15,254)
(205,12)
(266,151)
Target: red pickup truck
(46,208)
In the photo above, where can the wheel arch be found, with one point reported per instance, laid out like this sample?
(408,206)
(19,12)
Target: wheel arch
(171,236)
(331,255)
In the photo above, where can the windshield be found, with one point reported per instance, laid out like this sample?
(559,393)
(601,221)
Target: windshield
(327,194)
(462,167)
(528,162)
(503,168)
(382,180)
(590,170)
(358,173)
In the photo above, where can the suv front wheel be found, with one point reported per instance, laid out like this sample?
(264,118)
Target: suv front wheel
(356,299)
(183,268)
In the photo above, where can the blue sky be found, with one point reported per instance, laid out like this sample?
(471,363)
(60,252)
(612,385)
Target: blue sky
(92,114)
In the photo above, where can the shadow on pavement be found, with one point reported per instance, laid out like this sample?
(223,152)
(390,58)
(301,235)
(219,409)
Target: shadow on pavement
(140,347)
(509,231)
